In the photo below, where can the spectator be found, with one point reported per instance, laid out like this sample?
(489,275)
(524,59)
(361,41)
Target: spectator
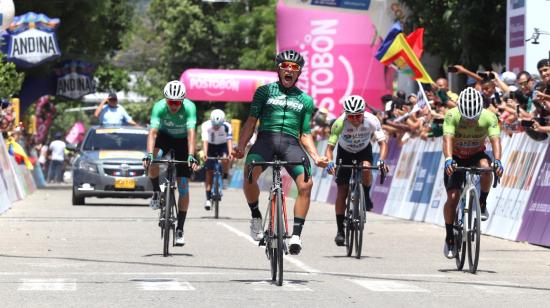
(112,114)
(447,97)
(42,149)
(57,159)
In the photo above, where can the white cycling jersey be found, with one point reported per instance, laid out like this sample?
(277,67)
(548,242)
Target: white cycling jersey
(354,139)
(214,135)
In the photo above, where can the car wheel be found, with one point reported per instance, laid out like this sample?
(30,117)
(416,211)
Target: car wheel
(77,200)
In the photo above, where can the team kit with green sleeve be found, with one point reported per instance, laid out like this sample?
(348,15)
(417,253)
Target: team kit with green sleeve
(284,115)
(172,130)
(469,141)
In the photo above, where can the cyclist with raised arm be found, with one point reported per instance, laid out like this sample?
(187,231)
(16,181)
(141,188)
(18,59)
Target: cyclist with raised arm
(465,130)
(173,121)
(284,112)
(353,132)
(217,141)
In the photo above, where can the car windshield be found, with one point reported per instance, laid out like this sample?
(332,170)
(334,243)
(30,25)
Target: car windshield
(116,139)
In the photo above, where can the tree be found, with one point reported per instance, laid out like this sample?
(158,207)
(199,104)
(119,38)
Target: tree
(10,79)
(464,32)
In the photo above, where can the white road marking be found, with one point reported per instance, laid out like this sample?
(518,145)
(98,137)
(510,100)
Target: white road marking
(388,286)
(287,286)
(290,259)
(54,284)
(163,284)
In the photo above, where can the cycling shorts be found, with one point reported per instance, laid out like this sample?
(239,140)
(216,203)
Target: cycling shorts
(166,142)
(284,146)
(456,180)
(344,175)
(215,150)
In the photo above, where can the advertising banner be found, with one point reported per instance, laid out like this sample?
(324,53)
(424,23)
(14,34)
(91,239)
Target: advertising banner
(75,79)
(402,181)
(535,227)
(224,85)
(31,39)
(76,133)
(379,193)
(522,157)
(339,59)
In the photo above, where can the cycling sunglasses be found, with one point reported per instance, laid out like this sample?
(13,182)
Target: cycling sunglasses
(356,116)
(173,102)
(290,65)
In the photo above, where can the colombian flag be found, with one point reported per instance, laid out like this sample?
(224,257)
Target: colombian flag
(18,153)
(397,50)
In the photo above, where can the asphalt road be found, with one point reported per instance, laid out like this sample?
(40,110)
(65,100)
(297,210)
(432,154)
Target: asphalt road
(108,253)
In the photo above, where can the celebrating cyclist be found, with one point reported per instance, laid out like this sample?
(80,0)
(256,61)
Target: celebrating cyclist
(173,121)
(465,130)
(353,131)
(284,112)
(217,141)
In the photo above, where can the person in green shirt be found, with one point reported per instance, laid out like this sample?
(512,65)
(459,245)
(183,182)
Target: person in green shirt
(173,121)
(465,129)
(284,112)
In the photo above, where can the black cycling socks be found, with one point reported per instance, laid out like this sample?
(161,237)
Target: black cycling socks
(340,223)
(449,229)
(298,225)
(483,198)
(254,210)
(156,183)
(208,194)
(181,220)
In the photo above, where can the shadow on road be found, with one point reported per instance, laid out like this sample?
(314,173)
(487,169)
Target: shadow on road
(352,257)
(170,255)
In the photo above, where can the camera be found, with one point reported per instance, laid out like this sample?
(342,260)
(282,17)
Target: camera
(486,75)
(452,69)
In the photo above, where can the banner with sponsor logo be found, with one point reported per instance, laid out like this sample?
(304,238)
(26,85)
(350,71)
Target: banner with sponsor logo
(31,39)
(522,158)
(75,79)
(339,58)
(535,227)
(224,85)
(379,193)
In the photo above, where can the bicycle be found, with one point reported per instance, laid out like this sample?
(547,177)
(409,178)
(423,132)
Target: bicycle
(467,224)
(168,205)
(356,213)
(217,184)
(277,228)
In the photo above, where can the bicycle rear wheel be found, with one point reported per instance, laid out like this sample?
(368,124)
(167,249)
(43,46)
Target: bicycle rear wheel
(169,199)
(280,238)
(460,247)
(474,233)
(359,221)
(216,196)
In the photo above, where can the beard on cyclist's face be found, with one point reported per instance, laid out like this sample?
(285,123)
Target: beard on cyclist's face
(288,77)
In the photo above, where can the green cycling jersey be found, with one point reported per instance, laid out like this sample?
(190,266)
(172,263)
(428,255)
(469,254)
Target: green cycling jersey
(282,110)
(470,136)
(174,124)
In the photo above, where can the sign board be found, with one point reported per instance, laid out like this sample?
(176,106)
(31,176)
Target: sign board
(75,79)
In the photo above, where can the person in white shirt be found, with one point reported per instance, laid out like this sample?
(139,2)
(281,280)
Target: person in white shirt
(57,150)
(217,138)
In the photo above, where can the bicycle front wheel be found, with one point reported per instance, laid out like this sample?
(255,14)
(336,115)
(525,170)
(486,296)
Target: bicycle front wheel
(474,233)
(280,237)
(168,205)
(458,231)
(269,245)
(359,221)
(216,197)
(348,225)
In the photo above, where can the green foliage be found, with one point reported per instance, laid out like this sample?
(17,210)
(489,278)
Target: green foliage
(110,78)
(10,79)
(467,32)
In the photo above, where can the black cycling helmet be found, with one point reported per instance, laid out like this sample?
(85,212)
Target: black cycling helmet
(290,56)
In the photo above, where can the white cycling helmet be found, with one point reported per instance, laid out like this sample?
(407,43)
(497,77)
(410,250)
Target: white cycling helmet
(470,103)
(175,90)
(217,117)
(354,104)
